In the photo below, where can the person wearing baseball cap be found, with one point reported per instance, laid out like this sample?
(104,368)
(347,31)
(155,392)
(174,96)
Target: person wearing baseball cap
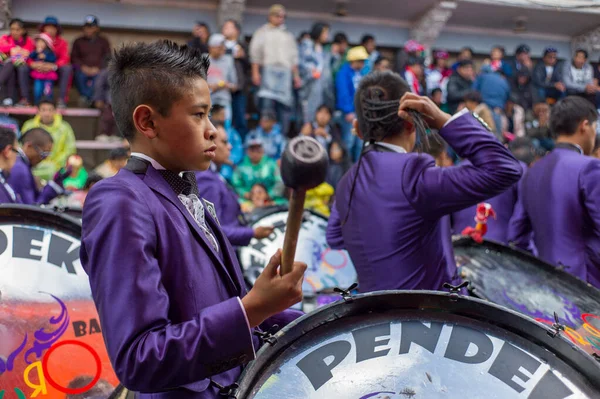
(346,82)
(89,56)
(62,66)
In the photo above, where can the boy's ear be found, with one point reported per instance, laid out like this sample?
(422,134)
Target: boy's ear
(144,121)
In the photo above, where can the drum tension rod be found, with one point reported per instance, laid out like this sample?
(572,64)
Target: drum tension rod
(455,289)
(557,327)
(268,336)
(596,356)
(229,391)
(346,294)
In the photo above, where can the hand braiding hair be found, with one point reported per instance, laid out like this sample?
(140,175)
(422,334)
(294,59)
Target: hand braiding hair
(381,120)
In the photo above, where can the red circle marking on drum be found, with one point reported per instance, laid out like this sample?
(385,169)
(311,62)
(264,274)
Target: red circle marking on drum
(340,253)
(72,391)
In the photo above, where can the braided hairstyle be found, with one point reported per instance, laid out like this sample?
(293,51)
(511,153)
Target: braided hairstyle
(376,102)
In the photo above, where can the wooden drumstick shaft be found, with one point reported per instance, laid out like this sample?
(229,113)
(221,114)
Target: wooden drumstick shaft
(292,229)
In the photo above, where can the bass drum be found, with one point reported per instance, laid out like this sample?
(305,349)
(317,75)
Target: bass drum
(75,212)
(51,341)
(327,268)
(526,284)
(418,344)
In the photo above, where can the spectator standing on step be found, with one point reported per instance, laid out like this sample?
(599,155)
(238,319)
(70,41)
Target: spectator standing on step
(62,66)
(238,50)
(88,57)
(62,135)
(15,48)
(221,77)
(200,33)
(107,127)
(274,57)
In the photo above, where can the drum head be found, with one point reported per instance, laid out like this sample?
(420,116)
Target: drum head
(51,337)
(526,284)
(327,268)
(422,344)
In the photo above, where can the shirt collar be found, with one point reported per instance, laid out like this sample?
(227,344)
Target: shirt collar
(395,148)
(145,157)
(24,157)
(213,167)
(570,146)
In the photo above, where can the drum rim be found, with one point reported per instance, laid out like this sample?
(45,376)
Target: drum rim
(284,208)
(464,241)
(44,217)
(483,311)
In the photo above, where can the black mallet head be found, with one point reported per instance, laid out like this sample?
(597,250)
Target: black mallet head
(304,163)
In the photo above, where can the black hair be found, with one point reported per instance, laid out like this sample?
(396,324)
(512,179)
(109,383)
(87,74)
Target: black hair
(345,162)
(17,21)
(46,100)
(376,103)
(37,136)
(235,23)
(436,90)
(474,96)
(217,108)
(569,112)
(366,38)
(302,34)
(584,52)
(204,25)
(340,37)
(465,63)
(437,145)
(380,59)
(118,153)
(523,149)
(317,30)
(92,179)
(7,137)
(156,74)
(498,47)
(469,49)
(324,106)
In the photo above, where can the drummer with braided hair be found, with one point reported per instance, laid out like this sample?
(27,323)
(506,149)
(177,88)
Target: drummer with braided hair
(389,204)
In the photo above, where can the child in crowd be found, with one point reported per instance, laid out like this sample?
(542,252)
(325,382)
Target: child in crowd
(259,198)
(257,168)
(339,163)
(78,176)
(321,129)
(43,81)
(269,133)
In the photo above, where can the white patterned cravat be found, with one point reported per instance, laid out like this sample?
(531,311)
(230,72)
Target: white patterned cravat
(187,191)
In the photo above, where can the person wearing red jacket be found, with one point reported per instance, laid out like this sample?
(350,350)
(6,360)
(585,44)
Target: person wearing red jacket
(14,50)
(52,28)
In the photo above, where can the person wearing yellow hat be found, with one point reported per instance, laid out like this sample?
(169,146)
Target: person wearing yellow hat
(346,82)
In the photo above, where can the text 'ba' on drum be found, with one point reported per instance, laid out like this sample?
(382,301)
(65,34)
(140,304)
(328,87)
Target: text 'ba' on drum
(419,344)
(327,268)
(526,284)
(50,334)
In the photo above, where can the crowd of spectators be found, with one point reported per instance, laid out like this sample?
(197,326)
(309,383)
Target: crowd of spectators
(274,86)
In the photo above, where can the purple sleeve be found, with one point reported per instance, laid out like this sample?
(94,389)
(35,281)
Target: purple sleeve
(589,182)
(435,191)
(520,232)
(334,230)
(238,236)
(281,319)
(148,352)
(18,180)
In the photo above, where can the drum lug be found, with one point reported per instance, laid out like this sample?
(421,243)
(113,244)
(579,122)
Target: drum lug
(268,336)
(346,294)
(230,391)
(557,327)
(596,356)
(455,289)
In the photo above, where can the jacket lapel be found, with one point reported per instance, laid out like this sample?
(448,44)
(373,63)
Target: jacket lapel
(155,181)
(228,253)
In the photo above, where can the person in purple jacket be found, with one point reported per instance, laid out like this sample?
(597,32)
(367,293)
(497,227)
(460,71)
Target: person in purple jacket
(561,195)
(36,145)
(175,315)
(8,158)
(504,205)
(390,203)
(214,188)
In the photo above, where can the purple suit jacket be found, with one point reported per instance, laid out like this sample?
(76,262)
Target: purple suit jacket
(393,232)
(214,189)
(22,181)
(561,205)
(166,300)
(504,205)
